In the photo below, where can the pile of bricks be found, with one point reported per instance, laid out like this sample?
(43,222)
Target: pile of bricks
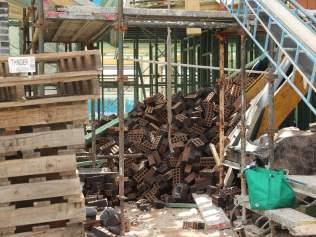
(171,170)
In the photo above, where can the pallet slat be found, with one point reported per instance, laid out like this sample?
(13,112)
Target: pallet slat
(37,166)
(41,190)
(33,102)
(55,57)
(48,78)
(48,139)
(41,115)
(10,217)
(71,231)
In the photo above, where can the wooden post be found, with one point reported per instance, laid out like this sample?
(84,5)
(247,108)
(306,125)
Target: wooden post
(221,110)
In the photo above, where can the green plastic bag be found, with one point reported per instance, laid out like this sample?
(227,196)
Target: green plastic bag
(268,189)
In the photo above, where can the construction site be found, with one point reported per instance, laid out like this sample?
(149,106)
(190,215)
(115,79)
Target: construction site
(157,118)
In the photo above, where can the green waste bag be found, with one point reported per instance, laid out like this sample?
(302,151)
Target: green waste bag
(268,189)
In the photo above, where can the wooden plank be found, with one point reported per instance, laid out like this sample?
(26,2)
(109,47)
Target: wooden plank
(41,115)
(37,166)
(215,154)
(285,100)
(53,57)
(71,231)
(39,140)
(10,217)
(303,184)
(41,190)
(193,6)
(298,223)
(32,102)
(48,78)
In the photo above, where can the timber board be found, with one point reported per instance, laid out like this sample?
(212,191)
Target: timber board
(48,139)
(43,115)
(49,189)
(44,101)
(11,217)
(37,166)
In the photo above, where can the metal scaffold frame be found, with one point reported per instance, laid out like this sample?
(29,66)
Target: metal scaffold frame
(301,57)
(188,65)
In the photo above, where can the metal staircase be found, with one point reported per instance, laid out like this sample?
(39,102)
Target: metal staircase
(293,31)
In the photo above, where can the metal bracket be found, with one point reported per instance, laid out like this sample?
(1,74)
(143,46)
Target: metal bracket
(120,27)
(122,78)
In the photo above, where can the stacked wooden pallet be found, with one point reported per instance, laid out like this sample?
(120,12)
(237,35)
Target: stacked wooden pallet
(41,127)
(4,28)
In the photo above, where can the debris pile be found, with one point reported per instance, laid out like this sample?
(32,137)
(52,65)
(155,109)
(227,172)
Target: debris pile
(171,170)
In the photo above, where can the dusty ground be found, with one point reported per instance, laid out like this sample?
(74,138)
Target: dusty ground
(165,222)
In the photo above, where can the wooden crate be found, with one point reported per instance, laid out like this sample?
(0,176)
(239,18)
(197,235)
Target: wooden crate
(39,192)
(75,77)
(39,136)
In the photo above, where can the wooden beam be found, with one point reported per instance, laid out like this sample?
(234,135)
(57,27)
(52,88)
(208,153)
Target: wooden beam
(285,100)
(37,166)
(48,78)
(42,115)
(39,140)
(40,190)
(5,105)
(54,57)
(81,31)
(221,110)
(215,154)
(11,217)
(59,31)
(193,6)
(298,223)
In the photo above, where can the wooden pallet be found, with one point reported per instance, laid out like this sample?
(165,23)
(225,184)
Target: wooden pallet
(15,220)
(14,130)
(75,78)
(39,192)
(74,230)
(37,166)
(65,62)
(43,114)
(40,140)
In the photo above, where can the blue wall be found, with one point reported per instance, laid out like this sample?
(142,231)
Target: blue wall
(110,105)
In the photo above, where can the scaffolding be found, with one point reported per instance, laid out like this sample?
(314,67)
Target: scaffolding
(176,62)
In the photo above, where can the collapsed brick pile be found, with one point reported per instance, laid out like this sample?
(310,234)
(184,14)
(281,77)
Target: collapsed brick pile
(162,174)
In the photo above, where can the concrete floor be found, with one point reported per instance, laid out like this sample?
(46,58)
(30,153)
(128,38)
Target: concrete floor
(165,222)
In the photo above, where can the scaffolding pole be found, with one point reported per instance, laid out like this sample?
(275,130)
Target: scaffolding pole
(169,85)
(102,77)
(271,109)
(186,65)
(41,49)
(120,95)
(243,122)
